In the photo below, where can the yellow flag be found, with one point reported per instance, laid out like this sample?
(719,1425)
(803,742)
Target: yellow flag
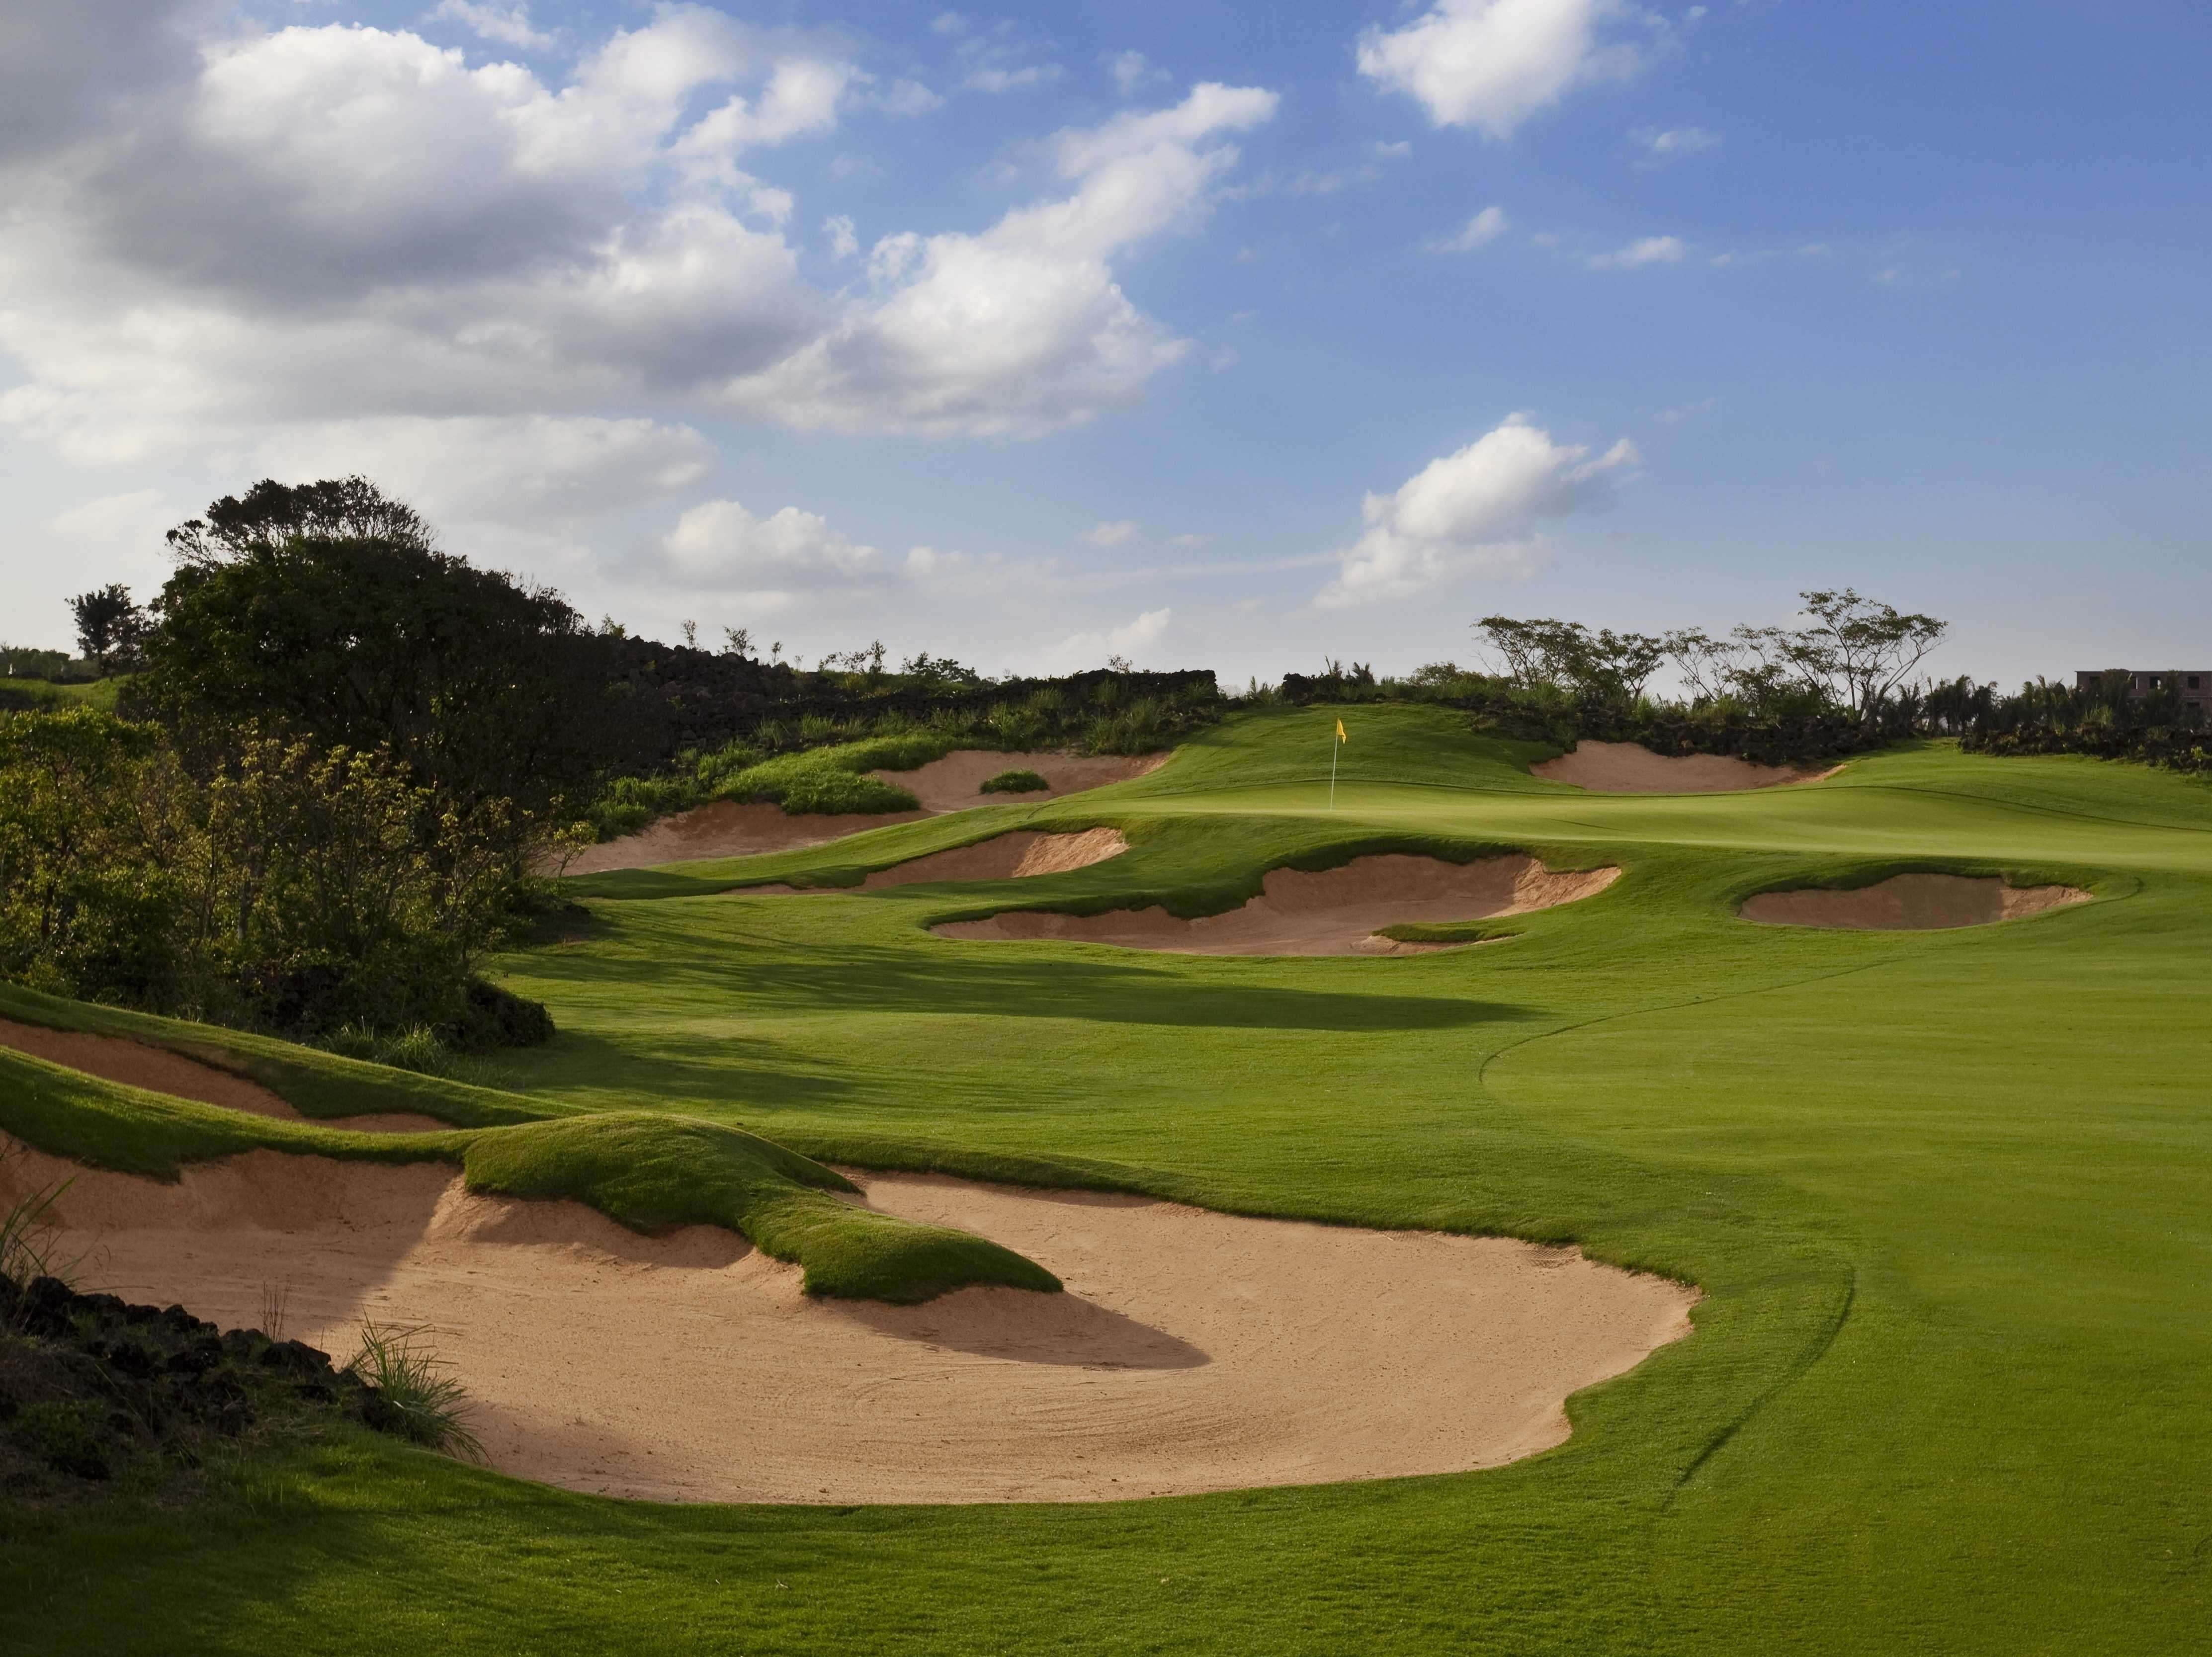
(1340,736)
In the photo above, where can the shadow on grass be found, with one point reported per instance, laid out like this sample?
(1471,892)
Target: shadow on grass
(976,983)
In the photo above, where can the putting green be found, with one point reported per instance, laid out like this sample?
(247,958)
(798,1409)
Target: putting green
(1947,1193)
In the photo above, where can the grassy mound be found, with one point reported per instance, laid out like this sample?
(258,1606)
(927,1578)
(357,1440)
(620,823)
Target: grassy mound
(647,1172)
(1014,782)
(833,780)
(1446,931)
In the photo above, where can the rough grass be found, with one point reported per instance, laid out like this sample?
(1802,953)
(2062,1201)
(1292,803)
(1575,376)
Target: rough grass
(649,1171)
(1014,782)
(1945,1192)
(1446,931)
(833,779)
(427,1400)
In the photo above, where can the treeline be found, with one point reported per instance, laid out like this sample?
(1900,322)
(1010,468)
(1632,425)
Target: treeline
(340,753)
(1836,684)
(2106,720)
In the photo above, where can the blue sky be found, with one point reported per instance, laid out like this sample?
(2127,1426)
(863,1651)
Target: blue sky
(1219,334)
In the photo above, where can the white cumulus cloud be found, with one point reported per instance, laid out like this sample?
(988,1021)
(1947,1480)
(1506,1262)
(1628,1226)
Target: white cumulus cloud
(720,544)
(1132,639)
(1661,145)
(1112,534)
(1491,65)
(1476,508)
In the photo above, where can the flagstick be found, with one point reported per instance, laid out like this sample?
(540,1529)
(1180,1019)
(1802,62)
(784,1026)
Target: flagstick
(1332,746)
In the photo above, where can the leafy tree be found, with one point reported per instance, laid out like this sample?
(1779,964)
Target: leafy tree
(325,612)
(1869,647)
(1603,667)
(110,625)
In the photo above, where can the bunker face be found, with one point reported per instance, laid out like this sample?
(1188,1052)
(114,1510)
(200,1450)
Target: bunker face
(1003,856)
(952,784)
(955,782)
(137,1065)
(1193,1352)
(725,830)
(1332,912)
(1909,903)
(1630,767)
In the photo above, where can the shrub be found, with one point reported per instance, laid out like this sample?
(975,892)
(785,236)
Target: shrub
(1014,782)
(426,1404)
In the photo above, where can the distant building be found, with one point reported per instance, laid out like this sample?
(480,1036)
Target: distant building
(2194,690)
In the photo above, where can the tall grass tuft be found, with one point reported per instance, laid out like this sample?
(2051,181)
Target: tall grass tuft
(30,1236)
(429,1406)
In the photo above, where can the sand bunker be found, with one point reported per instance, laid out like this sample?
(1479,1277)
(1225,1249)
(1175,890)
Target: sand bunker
(1193,1352)
(1630,767)
(723,830)
(1909,903)
(1333,912)
(953,783)
(137,1065)
(1003,856)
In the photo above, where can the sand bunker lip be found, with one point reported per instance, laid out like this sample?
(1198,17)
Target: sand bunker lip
(1328,912)
(135,1064)
(1630,767)
(1909,903)
(1019,856)
(952,784)
(1193,1352)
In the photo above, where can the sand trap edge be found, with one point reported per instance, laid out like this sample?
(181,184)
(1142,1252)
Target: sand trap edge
(1917,901)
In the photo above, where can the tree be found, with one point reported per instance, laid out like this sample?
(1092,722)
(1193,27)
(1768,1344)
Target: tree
(324,611)
(1603,667)
(110,625)
(1869,647)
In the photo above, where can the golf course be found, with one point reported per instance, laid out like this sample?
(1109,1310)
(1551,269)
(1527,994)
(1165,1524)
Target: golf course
(1932,1196)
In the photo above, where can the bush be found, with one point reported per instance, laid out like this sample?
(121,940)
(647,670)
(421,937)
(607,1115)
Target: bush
(424,1403)
(297,890)
(1014,782)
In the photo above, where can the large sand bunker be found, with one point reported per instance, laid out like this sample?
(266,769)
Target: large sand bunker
(1630,767)
(1909,903)
(137,1065)
(955,782)
(1017,856)
(952,784)
(1191,1351)
(1338,911)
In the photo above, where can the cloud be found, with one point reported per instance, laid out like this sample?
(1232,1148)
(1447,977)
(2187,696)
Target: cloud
(1661,146)
(1082,650)
(1474,509)
(1649,250)
(1132,71)
(1485,228)
(837,229)
(1022,328)
(720,544)
(509,25)
(1491,65)
(1112,534)
(312,229)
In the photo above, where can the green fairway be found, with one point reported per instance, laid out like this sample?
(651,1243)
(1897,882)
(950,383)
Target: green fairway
(1948,1194)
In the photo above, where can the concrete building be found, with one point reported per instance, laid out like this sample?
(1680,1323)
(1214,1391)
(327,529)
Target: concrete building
(2194,690)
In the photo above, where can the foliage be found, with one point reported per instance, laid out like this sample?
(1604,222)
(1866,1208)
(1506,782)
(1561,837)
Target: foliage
(326,612)
(1014,782)
(426,1404)
(291,889)
(2108,720)
(110,627)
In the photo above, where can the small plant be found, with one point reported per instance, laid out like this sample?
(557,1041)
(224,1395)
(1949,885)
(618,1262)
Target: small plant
(29,1237)
(428,1406)
(275,1301)
(1015,782)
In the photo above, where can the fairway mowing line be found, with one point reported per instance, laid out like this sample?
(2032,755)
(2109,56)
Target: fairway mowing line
(1192,1350)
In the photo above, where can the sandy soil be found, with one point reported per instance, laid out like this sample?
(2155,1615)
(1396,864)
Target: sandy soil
(1334,912)
(1003,856)
(1630,767)
(953,783)
(1910,903)
(137,1065)
(1194,1351)
(723,830)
